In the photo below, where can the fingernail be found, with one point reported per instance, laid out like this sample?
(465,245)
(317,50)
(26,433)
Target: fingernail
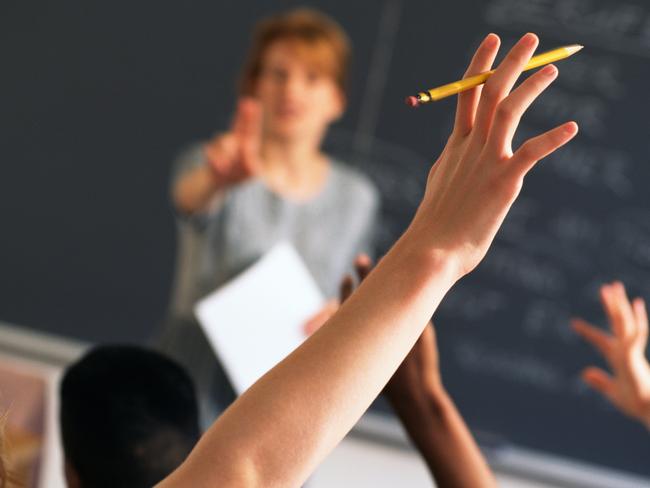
(530,39)
(571,128)
(491,40)
(549,70)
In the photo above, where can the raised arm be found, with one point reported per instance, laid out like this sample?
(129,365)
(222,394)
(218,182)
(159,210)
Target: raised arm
(428,413)
(628,388)
(230,158)
(278,431)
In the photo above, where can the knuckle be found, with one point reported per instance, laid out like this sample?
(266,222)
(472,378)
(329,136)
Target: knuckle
(521,58)
(490,91)
(526,151)
(506,110)
(456,138)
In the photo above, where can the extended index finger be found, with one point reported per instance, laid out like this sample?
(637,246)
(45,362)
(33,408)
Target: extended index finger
(247,118)
(468,100)
(247,129)
(501,82)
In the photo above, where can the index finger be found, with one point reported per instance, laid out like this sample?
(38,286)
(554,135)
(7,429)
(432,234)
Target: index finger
(625,309)
(501,82)
(618,309)
(468,100)
(247,123)
(363,266)
(641,315)
(247,129)
(346,289)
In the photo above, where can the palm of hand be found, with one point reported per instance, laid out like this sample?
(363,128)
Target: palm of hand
(631,383)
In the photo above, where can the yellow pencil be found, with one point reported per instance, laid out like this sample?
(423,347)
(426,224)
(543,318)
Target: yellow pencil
(459,86)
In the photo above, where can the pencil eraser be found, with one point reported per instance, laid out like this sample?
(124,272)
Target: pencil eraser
(412,101)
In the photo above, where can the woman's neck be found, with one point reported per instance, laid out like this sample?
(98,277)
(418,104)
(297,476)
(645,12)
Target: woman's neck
(296,170)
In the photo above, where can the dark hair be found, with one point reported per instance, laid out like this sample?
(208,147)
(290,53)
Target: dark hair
(129,417)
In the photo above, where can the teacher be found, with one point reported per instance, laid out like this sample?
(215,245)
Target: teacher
(266,180)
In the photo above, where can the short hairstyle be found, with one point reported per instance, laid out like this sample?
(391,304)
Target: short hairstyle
(129,417)
(321,41)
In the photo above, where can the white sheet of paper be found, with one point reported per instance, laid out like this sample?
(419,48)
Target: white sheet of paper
(255,320)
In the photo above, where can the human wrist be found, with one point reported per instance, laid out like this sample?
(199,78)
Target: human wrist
(426,417)
(419,248)
(432,402)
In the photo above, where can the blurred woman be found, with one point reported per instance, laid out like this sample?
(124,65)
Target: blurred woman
(267,180)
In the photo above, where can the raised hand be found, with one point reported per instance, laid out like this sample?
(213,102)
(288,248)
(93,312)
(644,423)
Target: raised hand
(476,179)
(628,388)
(307,403)
(234,156)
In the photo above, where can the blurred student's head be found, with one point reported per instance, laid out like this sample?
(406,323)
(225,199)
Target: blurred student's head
(297,67)
(129,417)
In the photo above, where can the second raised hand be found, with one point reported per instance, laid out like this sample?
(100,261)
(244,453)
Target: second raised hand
(623,350)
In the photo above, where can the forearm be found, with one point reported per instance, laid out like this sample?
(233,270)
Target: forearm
(441,436)
(195,190)
(304,406)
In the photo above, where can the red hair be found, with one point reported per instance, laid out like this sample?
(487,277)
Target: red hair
(318,39)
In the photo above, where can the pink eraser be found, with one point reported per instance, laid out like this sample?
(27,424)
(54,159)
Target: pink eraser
(412,101)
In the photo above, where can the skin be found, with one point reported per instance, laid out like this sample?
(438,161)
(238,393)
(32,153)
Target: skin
(304,406)
(275,135)
(628,385)
(321,317)
(427,412)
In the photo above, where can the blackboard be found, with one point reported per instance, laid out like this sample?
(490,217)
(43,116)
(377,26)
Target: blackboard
(98,98)
(509,356)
